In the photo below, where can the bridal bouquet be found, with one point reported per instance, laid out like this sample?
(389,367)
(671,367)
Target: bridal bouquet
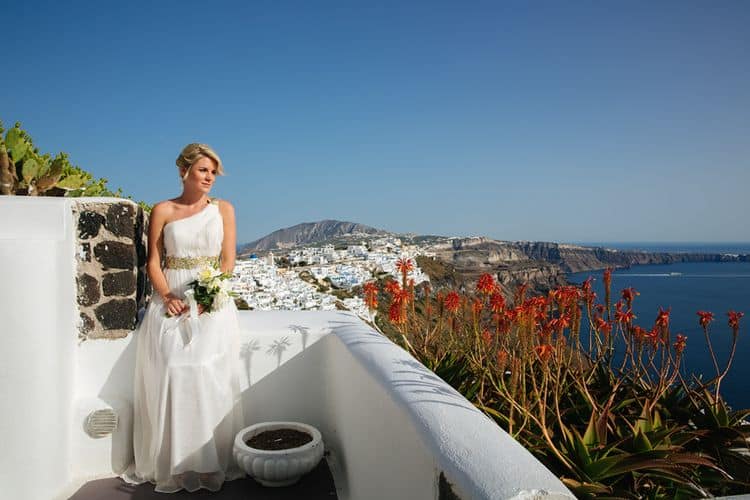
(211,290)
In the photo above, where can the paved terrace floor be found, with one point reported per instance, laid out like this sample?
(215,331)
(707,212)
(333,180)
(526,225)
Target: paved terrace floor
(317,485)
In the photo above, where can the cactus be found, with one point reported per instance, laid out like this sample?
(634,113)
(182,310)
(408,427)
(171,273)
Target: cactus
(24,171)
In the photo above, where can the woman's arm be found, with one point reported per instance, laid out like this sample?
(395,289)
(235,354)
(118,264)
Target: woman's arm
(229,243)
(156,224)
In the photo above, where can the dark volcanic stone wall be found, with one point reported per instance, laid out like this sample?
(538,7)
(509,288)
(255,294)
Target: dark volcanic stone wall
(111,266)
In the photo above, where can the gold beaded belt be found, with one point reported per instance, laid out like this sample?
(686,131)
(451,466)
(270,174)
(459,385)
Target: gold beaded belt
(191,262)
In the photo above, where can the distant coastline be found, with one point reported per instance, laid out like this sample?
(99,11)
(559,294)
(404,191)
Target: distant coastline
(729,247)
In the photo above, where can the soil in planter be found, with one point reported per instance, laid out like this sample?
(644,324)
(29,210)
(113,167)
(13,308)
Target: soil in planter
(279,439)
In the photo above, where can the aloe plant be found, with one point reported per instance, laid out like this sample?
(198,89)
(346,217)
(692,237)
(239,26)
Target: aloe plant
(610,423)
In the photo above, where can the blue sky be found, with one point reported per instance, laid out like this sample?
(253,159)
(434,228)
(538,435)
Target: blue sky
(558,121)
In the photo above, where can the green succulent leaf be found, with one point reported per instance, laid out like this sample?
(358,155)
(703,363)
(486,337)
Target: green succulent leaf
(30,169)
(590,437)
(16,144)
(641,442)
(71,182)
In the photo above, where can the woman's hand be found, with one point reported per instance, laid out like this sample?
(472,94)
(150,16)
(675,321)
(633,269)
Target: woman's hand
(174,305)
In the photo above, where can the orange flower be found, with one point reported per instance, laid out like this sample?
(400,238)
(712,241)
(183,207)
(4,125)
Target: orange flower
(679,346)
(497,302)
(653,337)
(402,296)
(607,277)
(371,295)
(452,302)
(734,320)
(396,313)
(662,319)
(486,284)
(544,352)
(404,265)
(476,307)
(560,324)
(625,317)
(628,294)
(392,287)
(586,286)
(639,334)
(705,318)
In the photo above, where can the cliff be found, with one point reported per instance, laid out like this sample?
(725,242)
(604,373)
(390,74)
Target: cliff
(574,258)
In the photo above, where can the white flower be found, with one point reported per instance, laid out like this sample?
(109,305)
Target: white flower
(205,274)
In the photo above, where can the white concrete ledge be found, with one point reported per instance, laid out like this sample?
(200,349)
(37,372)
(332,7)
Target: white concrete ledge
(391,425)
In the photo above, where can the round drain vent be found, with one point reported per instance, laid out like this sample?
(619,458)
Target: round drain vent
(101,423)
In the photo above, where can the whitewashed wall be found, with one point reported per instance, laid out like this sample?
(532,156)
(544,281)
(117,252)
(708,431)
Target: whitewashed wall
(390,425)
(37,321)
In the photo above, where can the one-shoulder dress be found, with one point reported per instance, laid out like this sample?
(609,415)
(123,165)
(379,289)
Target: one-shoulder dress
(187,406)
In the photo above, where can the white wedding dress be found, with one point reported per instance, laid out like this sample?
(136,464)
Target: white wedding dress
(186,388)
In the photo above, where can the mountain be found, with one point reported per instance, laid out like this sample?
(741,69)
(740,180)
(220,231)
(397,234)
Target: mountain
(309,233)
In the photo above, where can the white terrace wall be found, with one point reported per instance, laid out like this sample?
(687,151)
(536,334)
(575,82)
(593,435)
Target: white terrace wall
(391,427)
(37,321)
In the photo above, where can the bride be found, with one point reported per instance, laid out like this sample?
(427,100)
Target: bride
(186,387)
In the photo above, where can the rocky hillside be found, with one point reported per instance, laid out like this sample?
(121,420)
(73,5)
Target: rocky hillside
(307,233)
(458,263)
(574,258)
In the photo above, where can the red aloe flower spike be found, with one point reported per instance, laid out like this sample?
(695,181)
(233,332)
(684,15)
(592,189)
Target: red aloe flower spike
(402,297)
(586,285)
(544,352)
(392,287)
(662,319)
(404,265)
(486,284)
(734,320)
(625,317)
(395,313)
(679,346)
(497,302)
(705,318)
(486,337)
(639,334)
(452,302)
(476,307)
(628,294)
(371,295)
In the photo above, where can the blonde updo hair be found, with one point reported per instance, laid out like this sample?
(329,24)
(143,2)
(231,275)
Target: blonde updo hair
(192,153)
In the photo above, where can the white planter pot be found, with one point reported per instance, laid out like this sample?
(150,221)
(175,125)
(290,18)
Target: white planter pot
(278,467)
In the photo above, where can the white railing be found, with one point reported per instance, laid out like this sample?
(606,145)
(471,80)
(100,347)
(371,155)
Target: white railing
(391,426)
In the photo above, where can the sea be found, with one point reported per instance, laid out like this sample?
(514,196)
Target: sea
(686,288)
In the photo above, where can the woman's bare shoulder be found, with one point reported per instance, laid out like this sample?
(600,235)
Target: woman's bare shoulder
(162,210)
(225,207)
